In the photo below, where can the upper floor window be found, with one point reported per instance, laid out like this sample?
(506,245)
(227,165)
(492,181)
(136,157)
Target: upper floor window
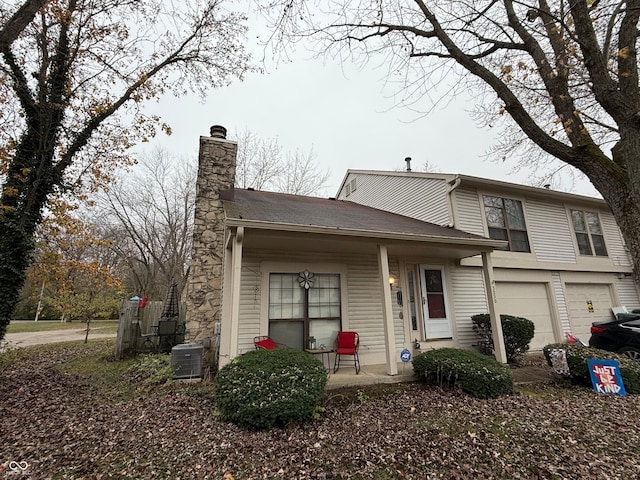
(589,234)
(505,219)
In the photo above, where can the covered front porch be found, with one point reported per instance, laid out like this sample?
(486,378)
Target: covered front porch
(266,260)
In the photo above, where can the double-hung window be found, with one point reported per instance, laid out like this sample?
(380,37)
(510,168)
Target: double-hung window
(505,220)
(304,306)
(589,236)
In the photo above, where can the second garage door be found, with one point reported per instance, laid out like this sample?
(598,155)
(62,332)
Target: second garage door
(528,300)
(587,303)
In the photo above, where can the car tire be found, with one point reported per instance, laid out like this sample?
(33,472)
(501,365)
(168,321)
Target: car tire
(632,353)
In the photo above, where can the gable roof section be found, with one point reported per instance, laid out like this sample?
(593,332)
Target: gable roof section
(467,180)
(278,211)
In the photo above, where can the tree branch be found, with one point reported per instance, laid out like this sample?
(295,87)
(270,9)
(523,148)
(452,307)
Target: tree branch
(12,29)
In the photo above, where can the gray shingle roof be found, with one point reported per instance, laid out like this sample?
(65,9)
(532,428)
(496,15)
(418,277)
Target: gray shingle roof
(306,212)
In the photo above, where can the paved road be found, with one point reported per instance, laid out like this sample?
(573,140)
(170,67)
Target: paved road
(53,336)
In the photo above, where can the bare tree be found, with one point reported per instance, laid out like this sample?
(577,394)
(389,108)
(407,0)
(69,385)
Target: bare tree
(261,164)
(258,160)
(148,219)
(147,213)
(72,80)
(565,73)
(301,174)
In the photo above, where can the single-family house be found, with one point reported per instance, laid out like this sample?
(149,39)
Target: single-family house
(294,267)
(564,264)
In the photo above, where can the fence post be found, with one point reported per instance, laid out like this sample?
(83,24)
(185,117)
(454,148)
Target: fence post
(126,328)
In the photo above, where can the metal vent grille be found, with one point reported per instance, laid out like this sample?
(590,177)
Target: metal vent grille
(187,360)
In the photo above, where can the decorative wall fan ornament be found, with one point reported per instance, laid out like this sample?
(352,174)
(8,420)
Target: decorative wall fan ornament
(306,279)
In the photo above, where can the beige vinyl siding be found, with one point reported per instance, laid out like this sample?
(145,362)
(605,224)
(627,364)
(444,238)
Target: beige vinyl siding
(613,240)
(365,305)
(468,299)
(398,323)
(549,232)
(469,213)
(421,198)
(363,309)
(561,303)
(627,293)
(249,325)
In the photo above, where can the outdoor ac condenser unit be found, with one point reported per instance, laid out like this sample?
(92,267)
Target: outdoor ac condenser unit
(186,359)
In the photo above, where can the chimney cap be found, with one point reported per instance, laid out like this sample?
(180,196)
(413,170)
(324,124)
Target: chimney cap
(218,131)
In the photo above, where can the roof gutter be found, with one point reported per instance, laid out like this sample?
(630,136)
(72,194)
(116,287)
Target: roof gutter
(478,243)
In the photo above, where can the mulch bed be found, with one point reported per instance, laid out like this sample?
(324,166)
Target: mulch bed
(63,427)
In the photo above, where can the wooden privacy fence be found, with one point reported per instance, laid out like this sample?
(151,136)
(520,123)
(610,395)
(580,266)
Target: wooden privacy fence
(135,322)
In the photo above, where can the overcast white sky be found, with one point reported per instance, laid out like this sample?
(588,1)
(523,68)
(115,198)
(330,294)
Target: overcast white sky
(348,118)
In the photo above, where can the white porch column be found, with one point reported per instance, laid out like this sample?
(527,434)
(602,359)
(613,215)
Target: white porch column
(236,272)
(387,312)
(224,355)
(494,315)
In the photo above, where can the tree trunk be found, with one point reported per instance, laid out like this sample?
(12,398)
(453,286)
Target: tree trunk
(21,203)
(621,190)
(15,252)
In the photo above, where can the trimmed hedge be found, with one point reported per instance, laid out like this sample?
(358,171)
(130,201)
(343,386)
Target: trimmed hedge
(475,374)
(264,388)
(517,333)
(577,356)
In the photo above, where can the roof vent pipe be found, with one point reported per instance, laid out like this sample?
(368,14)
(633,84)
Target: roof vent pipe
(408,160)
(547,186)
(218,131)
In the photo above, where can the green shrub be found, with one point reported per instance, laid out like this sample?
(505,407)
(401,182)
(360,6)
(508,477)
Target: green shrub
(577,356)
(151,369)
(475,374)
(517,333)
(263,388)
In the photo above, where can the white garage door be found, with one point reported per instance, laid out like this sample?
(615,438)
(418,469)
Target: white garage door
(580,296)
(528,300)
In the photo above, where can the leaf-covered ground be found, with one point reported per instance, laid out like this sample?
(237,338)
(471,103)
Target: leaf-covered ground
(69,425)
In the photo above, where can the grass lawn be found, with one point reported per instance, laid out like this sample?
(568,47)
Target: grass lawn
(97,326)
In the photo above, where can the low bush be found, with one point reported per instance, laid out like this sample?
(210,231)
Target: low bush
(153,369)
(265,388)
(475,374)
(517,333)
(577,356)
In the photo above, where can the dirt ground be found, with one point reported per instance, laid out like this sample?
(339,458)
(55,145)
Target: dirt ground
(533,368)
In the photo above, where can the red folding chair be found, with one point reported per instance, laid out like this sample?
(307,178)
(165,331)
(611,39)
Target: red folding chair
(264,342)
(347,343)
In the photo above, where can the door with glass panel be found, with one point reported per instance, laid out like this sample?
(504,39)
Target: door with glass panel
(304,305)
(434,303)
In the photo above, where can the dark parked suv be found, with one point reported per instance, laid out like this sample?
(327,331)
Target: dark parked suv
(621,335)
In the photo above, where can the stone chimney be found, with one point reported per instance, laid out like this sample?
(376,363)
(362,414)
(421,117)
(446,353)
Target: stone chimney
(216,176)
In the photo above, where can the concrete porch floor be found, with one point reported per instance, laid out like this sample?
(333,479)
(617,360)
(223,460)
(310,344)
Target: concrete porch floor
(369,375)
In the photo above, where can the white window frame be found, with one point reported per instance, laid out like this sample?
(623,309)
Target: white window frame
(570,211)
